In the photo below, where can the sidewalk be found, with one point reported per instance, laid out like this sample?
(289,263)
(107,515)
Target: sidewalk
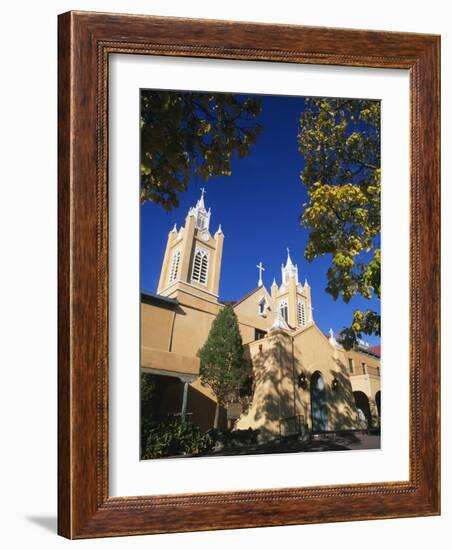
(338,442)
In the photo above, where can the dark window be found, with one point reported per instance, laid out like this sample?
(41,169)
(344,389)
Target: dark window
(284,311)
(259,334)
(246,388)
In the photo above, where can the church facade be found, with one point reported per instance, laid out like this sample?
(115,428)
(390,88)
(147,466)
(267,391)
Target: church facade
(302,380)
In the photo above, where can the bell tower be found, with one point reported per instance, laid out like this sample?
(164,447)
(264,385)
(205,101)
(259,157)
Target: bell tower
(292,299)
(192,261)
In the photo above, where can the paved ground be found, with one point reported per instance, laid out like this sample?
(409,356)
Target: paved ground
(338,442)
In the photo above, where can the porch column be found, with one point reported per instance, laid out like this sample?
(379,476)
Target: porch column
(184,402)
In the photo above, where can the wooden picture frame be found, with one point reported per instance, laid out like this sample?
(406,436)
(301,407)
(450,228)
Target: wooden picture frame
(85,508)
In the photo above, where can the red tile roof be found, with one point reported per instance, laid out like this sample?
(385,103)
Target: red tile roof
(375,350)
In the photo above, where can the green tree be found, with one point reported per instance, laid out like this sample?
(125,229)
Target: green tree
(191,134)
(148,384)
(340,142)
(223,363)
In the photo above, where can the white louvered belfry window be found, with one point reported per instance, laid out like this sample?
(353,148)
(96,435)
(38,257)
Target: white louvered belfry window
(301,313)
(174,266)
(202,221)
(284,310)
(200,266)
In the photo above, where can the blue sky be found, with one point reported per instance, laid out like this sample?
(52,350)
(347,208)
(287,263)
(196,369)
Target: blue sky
(258,207)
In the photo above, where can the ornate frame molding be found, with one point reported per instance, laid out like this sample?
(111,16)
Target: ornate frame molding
(85,42)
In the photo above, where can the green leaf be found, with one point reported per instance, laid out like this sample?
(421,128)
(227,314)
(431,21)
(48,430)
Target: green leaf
(339,140)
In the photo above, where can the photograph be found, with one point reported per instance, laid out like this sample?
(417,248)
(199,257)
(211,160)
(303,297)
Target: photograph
(194,312)
(260,239)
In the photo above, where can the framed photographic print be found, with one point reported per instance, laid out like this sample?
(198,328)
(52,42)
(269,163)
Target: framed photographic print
(248,275)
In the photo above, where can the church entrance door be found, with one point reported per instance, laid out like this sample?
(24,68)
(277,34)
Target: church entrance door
(319,415)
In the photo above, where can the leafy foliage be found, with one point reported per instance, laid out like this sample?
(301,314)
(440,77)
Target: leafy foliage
(340,142)
(224,366)
(147,397)
(174,437)
(367,322)
(186,134)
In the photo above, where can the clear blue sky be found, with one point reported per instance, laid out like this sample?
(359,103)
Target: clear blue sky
(258,207)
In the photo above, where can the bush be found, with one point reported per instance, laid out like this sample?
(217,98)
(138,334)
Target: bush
(148,388)
(174,437)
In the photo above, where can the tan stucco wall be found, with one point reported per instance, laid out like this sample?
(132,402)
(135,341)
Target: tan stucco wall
(185,329)
(248,313)
(293,292)
(185,241)
(359,358)
(277,360)
(370,385)
(273,396)
(182,329)
(313,352)
(156,327)
(191,328)
(169,362)
(180,333)
(366,379)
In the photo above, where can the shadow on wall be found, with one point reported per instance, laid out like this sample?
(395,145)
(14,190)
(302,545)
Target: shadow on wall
(378,402)
(362,403)
(342,411)
(273,395)
(276,394)
(202,410)
(165,401)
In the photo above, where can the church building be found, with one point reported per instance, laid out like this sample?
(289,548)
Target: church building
(302,380)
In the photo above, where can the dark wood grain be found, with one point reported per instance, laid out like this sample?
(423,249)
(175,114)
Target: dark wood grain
(85,42)
(64,295)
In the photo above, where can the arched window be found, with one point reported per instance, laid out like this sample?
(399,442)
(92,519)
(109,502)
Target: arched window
(200,266)
(363,409)
(284,310)
(378,402)
(174,266)
(301,313)
(319,412)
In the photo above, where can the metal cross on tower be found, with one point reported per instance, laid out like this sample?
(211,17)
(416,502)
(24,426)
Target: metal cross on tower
(260,267)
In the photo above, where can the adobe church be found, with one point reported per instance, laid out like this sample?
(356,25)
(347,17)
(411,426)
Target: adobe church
(302,380)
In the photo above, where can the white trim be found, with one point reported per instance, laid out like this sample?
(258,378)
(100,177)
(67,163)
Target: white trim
(284,304)
(203,268)
(192,286)
(262,300)
(183,377)
(174,266)
(279,322)
(301,312)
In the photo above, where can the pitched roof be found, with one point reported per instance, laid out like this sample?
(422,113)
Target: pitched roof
(375,350)
(371,350)
(158,300)
(250,294)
